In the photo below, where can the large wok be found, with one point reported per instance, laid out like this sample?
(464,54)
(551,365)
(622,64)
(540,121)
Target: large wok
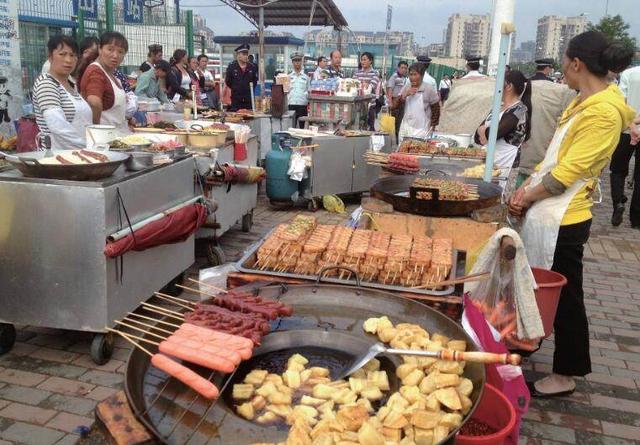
(327,318)
(395,191)
(29,166)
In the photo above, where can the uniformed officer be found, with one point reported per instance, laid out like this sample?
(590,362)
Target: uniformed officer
(544,67)
(428,78)
(473,68)
(240,74)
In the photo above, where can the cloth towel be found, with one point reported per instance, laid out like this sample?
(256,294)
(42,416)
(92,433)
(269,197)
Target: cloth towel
(517,274)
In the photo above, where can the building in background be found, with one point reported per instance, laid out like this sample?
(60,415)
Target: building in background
(554,33)
(468,35)
(204,33)
(436,50)
(525,53)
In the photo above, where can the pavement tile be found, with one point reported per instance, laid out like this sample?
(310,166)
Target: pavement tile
(27,413)
(39,366)
(611,380)
(31,396)
(537,430)
(86,361)
(53,355)
(100,393)
(69,439)
(102,378)
(20,348)
(76,405)
(66,386)
(621,430)
(69,422)
(24,378)
(615,403)
(29,434)
(567,420)
(589,438)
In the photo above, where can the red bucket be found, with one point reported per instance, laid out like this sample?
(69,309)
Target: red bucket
(496,411)
(548,295)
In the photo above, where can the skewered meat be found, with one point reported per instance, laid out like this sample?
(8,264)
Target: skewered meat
(447,190)
(199,384)
(299,228)
(98,156)
(204,334)
(247,303)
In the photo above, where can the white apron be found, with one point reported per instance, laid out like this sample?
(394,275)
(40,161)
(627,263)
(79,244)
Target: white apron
(116,115)
(542,221)
(81,119)
(414,123)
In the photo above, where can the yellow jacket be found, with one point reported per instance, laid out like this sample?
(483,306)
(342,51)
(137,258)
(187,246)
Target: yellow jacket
(589,144)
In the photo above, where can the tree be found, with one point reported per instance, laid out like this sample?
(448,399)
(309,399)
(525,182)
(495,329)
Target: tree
(615,28)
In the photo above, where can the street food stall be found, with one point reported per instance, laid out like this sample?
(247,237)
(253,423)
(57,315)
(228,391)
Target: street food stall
(57,223)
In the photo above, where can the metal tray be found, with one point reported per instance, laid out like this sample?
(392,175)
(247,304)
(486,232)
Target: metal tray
(249,258)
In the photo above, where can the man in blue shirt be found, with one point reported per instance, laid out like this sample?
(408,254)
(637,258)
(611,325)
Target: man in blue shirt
(148,86)
(298,89)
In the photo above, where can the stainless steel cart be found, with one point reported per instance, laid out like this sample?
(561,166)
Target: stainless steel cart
(234,203)
(52,236)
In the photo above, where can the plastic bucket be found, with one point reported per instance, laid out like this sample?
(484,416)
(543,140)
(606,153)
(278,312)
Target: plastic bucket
(548,295)
(496,411)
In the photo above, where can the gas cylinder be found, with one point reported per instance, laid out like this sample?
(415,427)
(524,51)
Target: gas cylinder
(280,187)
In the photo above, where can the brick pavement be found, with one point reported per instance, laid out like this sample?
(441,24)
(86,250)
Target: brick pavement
(49,386)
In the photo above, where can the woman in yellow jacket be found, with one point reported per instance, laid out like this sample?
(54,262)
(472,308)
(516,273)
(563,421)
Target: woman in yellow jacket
(556,201)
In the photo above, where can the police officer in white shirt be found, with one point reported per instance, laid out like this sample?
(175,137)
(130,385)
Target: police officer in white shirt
(473,68)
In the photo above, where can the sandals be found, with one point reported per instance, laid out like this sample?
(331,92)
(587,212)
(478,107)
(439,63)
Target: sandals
(543,395)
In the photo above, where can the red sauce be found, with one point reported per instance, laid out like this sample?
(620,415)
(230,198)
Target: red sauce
(473,427)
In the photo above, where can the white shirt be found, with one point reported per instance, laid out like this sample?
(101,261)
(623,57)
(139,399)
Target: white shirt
(298,88)
(430,81)
(445,84)
(473,74)
(630,87)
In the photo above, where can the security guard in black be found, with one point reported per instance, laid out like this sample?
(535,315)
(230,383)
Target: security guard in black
(240,74)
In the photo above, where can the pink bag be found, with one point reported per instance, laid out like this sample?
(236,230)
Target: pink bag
(27,135)
(512,385)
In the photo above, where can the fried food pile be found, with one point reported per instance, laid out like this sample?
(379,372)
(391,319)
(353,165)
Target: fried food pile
(447,190)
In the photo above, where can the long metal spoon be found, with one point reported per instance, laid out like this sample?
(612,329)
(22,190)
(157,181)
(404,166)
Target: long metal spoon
(445,354)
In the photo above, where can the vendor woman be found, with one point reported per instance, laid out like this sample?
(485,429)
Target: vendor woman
(421,105)
(514,126)
(99,86)
(556,200)
(60,110)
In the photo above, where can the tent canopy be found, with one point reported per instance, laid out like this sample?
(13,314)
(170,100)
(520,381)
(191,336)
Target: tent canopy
(290,12)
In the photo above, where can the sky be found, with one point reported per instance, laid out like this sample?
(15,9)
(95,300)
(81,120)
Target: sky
(428,18)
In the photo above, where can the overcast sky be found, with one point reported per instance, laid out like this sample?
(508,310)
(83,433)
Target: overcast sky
(428,18)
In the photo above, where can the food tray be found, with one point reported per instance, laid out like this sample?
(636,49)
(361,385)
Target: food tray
(245,264)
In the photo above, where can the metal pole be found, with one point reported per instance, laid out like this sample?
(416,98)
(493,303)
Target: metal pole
(262,74)
(189,32)
(340,40)
(81,30)
(506,30)
(109,13)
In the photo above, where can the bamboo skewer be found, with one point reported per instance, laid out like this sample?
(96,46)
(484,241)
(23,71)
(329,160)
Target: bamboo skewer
(224,291)
(147,325)
(126,337)
(138,329)
(135,337)
(177,303)
(154,319)
(157,311)
(169,311)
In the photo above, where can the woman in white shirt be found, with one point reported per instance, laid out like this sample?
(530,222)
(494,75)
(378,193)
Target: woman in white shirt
(444,87)
(61,112)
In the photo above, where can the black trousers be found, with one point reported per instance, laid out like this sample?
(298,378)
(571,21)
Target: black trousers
(300,111)
(398,113)
(619,170)
(571,356)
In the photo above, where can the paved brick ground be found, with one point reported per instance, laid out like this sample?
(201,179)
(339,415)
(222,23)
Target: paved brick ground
(49,386)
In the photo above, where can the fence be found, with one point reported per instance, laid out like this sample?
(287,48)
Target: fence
(143,22)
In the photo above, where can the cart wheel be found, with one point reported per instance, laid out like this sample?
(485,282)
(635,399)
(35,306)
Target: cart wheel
(215,255)
(247,222)
(7,337)
(313,205)
(102,348)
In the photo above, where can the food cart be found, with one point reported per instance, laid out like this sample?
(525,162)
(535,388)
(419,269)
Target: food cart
(53,268)
(331,111)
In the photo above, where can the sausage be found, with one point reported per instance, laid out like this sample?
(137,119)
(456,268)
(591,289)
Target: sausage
(227,353)
(82,158)
(243,352)
(196,382)
(63,161)
(98,156)
(198,357)
(208,333)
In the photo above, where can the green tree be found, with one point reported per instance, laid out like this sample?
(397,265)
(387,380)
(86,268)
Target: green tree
(615,28)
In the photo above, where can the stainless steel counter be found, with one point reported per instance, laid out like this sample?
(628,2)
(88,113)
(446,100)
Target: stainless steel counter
(53,271)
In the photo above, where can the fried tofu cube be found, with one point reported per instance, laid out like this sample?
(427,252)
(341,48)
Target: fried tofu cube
(366,403)
(282,411)
(450,420)
(407,441)
(258,402)
(368,435)
(392,434)
(432,403)
(295,366)
(379,379)
(306,413)
(266,389)
(466,404)
(420,405)
(413,378)
(305,375)
(280,398)
(292,379)
(396,401)
(465,387)
(242,391)
(246,410)
(298,435)
(323,439)
(256,377)
(457,345)
(445,380)
(428,384)
(386,335)
(411,393)
(370,325)
(372,365)
(440,433)
(273,378)
(371,393)
(425,419)
(383,412)
(344,396)
(384,323)
(404,370)
(449,397)
(267,418)
(297,358)
(409,431)
(395,419)
(311,401)
(398,344)
(352,417)
(323,391)
(441,338)
(313,381)
(317,371)
(423,437)
(359,374)
(357,385)
(446,367)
